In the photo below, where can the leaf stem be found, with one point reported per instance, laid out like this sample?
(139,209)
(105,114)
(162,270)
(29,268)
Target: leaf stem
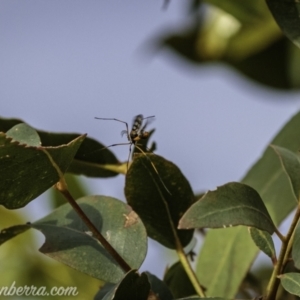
(179,249)
(283,258)
(281,236)
(61,186)
(188,268)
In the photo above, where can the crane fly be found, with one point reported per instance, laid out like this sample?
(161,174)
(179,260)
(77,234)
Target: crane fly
(136,134)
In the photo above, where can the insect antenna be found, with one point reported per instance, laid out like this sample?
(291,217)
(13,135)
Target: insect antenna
(136,134)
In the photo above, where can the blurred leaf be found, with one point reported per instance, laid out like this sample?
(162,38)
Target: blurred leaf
(67,239)
(242,34)
(158,287)
(132,286)
(214,269)
(291,165)
(270,66)
(178,282)
(24,134)
(249,11)
(90,160)
(30,171)
(159,200)
(264,242)
(286,13)
(230,205)
(291,283)
(296,247)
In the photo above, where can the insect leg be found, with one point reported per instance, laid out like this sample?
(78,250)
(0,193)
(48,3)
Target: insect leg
(113,119)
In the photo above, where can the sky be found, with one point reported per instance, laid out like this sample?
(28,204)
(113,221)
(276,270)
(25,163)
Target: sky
(62,63)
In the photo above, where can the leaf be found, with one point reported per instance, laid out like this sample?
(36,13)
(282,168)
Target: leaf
(291,283)
(90,160)
(132,286)
(286,14)
(224,250)
(30,171)
(159,200)
(10,232)
(230,205)
(178,281)
(296,247)
(291,165)
(68,239)
(158,287)
(264,242)
(24,134)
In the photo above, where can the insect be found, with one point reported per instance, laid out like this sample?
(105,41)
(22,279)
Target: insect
(136,134)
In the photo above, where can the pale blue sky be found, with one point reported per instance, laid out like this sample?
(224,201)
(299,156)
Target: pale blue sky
(64,62)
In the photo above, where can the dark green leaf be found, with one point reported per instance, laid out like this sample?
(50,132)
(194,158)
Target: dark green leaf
(296,247)
(235,247)
(269,179)
(9,233)
(230,205)
(286,13)
(159,200)
(291,283)
(132,286)
(264,242)
(90,160)
(68,239)
(178,282)
(24,134)
(29,171)
(291,165)
(158,287)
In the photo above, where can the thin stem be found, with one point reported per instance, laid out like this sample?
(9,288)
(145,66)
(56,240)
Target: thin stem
(62,187)
(188,269)
(278,233)
(282,259)
(179,249)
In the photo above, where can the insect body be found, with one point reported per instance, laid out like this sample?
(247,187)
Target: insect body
(136,134)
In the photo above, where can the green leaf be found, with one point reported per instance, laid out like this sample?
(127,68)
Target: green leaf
(90,160)
(286,14)
(132,286)
(264,242)
(135,286)
(296,247)
(159,288)
(10,232)
(68,239)
(30,171)
(24,134)
(291,283)
(230,205)
(159,200)
(235,248)
(291,165)
(178,281)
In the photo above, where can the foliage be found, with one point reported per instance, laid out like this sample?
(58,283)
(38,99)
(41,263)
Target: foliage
(242,35)
(107,239)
